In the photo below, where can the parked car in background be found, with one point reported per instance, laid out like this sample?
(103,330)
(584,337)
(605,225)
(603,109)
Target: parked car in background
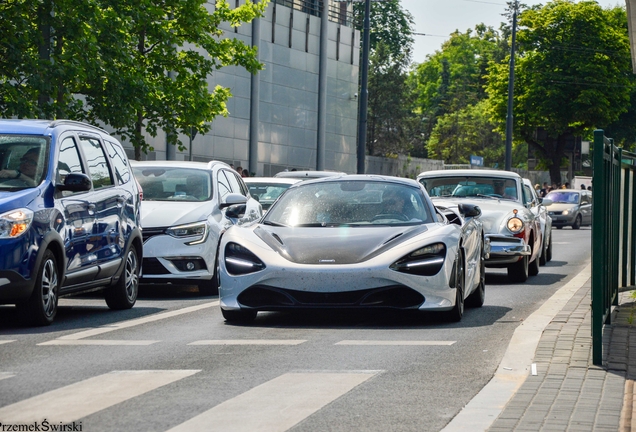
(69,216)
(305,175)
(511,226)
(267,189)
(357,241)
(570,207)
(538,206)
(186,208)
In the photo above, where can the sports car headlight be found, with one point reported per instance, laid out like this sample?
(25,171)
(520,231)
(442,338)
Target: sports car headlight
(565,212)
(197,230)
(515,225)
(15,223)
(240,261)
(426,261)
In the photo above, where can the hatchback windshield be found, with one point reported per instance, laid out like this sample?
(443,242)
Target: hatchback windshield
(174,184)
(482,187)
(563,197)
(350,203)
(23,161)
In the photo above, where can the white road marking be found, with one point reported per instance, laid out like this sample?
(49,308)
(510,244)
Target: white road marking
(394,343)
(277,405)
(128,324)
(560,243)
(99,342)
(6,341)
(5,375)
(75,401)
(249,342)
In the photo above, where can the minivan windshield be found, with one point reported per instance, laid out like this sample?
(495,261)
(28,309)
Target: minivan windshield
(23,161)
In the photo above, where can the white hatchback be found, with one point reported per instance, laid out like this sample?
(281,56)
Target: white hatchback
(186,208)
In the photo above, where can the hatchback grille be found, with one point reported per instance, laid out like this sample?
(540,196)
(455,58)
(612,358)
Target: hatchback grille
(151,232)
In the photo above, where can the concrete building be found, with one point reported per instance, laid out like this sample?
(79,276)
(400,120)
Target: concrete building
(306,108)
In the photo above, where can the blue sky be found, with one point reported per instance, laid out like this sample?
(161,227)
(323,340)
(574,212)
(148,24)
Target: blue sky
(439,18)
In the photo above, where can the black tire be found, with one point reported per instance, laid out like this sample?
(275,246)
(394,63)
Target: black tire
(543,259)
(123,293)
(518,272)
(577,222)
(533,267)
(478,297)
(41,307)
(239,316)
(456,314)
(559,226)
(211,287)
(548,252)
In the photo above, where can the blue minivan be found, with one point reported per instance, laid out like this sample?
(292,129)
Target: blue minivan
(69,217)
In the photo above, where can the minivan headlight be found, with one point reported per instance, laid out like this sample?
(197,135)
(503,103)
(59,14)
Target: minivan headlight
(15,223)
(197,230)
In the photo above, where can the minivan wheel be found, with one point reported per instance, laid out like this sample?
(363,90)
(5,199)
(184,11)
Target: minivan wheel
(123,294)
(42,305)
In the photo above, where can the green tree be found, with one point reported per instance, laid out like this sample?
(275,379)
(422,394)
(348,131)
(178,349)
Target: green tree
(136,65)
(572,74)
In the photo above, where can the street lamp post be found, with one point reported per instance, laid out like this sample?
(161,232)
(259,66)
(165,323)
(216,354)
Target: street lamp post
(511,84)
(362,126)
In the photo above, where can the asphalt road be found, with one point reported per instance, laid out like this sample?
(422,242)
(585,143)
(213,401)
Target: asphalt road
(172,362)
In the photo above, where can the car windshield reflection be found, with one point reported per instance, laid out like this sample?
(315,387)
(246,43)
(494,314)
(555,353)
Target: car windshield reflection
(474,187)
(174,184)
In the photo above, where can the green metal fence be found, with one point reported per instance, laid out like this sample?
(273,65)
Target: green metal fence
(613,232)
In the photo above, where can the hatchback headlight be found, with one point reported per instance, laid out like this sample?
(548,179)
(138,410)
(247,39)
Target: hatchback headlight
(565,212)
(515,225)
(426,261)
(198,230)
(15,223)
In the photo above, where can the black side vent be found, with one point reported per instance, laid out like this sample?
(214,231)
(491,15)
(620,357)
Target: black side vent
(392,238)
(277,238)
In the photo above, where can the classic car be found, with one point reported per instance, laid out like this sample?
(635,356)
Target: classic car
(514,231)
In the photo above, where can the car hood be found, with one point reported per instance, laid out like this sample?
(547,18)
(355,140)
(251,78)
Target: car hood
(493,212)
(17,199)
(560,207)
(337,245)
(168,213)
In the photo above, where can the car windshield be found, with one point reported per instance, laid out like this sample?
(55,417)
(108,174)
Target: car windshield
(563,197)
(349,203)
(23,161)
(267,193)
(479,187)
(174,183)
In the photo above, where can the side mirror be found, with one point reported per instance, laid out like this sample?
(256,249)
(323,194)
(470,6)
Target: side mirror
(469,210)
(546,201)
(76,182)
(233,199)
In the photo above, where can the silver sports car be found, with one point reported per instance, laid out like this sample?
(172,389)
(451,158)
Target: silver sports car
(354,241)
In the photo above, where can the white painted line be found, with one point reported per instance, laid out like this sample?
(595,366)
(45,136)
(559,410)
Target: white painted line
(395,343)
(480,413)
(98,342)
(534,369)
(560,243)
(134,322)
(75,401)
(5,375)
(276,405)
(250,342)
(5,341)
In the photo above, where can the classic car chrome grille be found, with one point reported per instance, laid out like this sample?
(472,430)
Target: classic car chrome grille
(272,298)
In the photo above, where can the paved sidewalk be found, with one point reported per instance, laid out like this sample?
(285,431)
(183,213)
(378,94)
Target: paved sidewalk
(569,393)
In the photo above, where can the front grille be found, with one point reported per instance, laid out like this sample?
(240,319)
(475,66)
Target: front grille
(555,213)
(151,232)
(272,298)
(152,266)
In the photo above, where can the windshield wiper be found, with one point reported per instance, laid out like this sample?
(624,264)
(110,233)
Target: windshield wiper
(278,224)
(489,196)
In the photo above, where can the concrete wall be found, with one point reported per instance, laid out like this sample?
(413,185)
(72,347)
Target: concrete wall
(288,98)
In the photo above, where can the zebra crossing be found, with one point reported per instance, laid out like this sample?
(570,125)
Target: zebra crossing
(275,405)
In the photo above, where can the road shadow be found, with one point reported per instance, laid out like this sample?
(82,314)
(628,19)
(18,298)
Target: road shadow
(375,319)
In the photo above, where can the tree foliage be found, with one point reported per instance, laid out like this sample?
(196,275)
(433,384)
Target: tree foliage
(135,65)
(572,74)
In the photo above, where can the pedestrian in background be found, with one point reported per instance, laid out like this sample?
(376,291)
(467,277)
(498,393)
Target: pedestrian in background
(239,170)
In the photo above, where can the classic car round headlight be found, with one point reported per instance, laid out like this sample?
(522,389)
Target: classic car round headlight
(515,224)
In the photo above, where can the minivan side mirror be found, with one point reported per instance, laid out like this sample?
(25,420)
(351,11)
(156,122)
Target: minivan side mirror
(76,182)
(233,199)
